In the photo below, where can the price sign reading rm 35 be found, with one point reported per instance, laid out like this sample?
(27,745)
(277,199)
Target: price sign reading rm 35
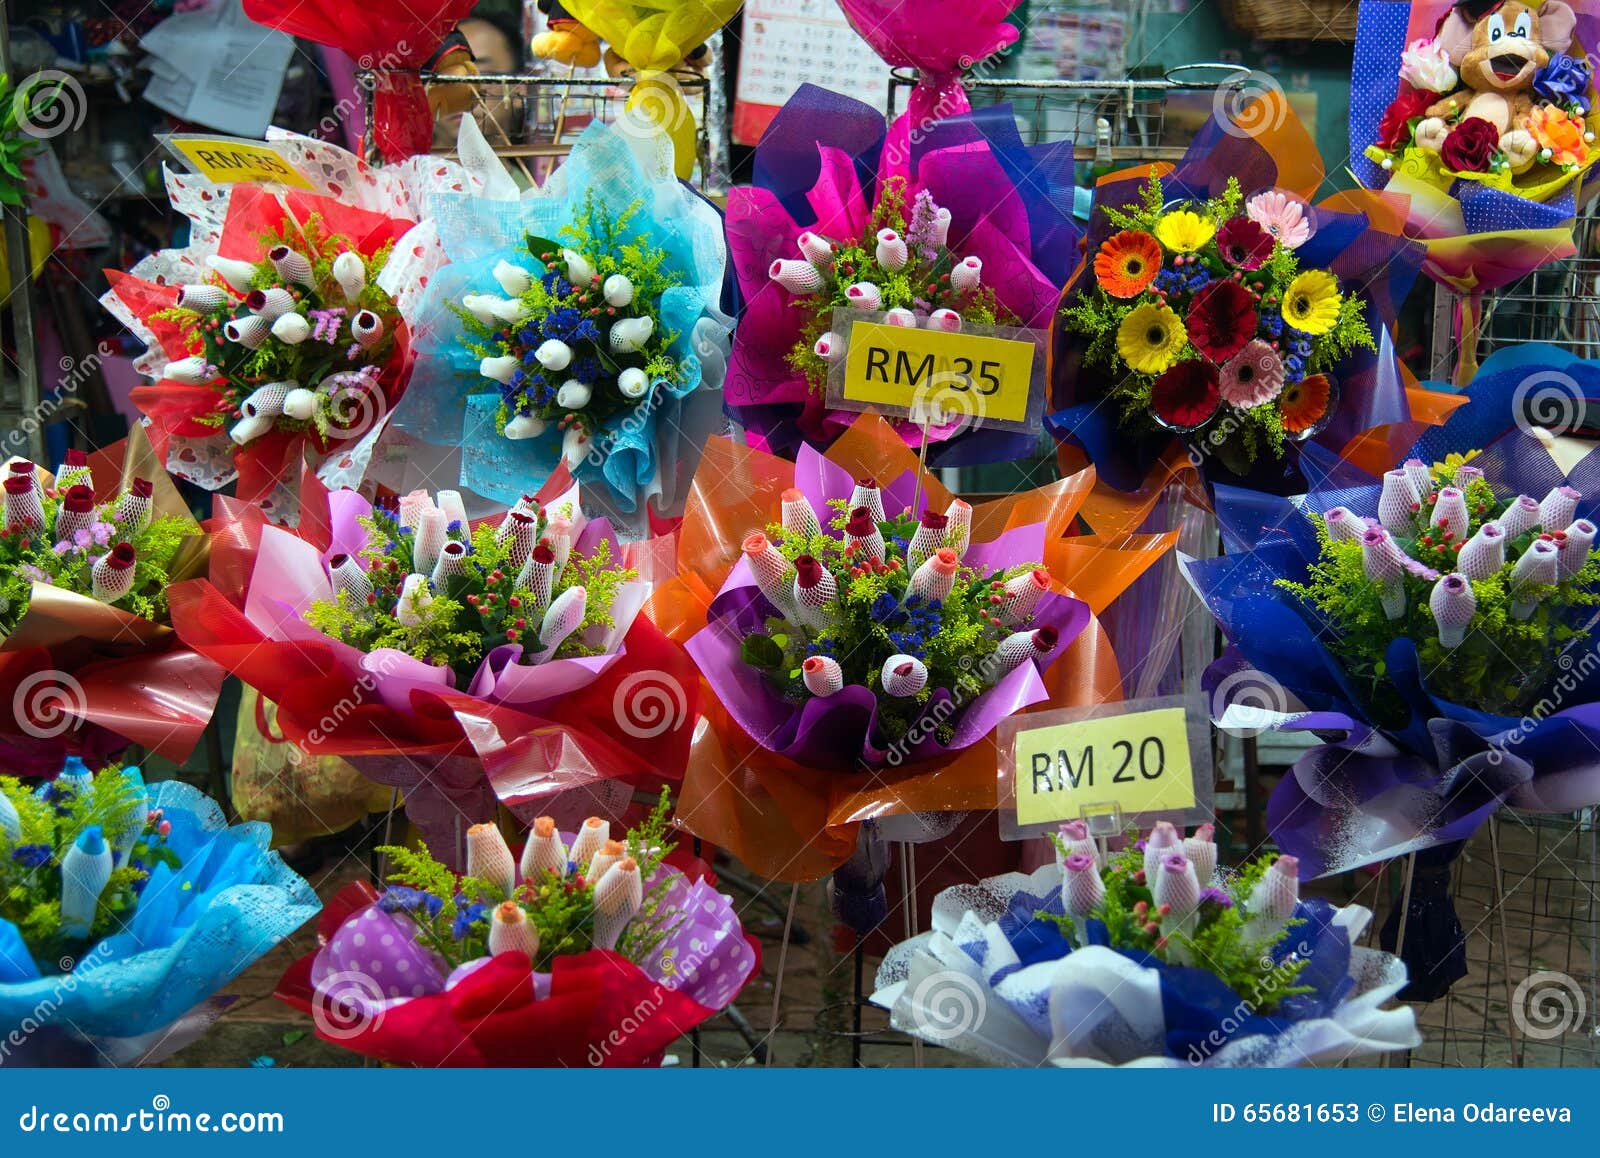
(1138,761)
(927,374)
(231,160)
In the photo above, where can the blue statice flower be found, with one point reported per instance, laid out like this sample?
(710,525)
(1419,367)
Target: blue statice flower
(555,283)
(1272,323)
(407,531)
(1294,367)
(400,899)
(518,377)
(903,544)
(528,336)
(390,547)
(883,607)
(586,368)
(467,916)
(587,331)
(529,358)
(562,323)
(1197,280)
(453,527)
(32,855)
(1169,281)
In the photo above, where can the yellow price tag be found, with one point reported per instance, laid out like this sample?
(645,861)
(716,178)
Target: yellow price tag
(231,160)
(936,376)
(1138,761)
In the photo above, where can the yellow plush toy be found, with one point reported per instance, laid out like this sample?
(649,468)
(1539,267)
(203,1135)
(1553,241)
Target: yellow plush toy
(566,41)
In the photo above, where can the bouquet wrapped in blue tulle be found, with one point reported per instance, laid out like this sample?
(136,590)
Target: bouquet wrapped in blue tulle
(123,910)
(1433,626)
(1151,957)
(579,322)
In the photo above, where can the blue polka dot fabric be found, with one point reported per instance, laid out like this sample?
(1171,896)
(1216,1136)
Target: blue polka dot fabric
(1375,79)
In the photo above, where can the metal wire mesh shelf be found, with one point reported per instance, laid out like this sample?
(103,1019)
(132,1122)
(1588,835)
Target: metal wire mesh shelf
(1527,891)
(1116,123)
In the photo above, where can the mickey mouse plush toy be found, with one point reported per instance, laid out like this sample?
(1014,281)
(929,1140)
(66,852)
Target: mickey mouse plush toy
(1497,47)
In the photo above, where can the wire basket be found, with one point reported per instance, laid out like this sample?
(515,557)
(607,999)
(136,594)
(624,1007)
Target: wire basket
(533,120)
(1325,20)
(1115,124)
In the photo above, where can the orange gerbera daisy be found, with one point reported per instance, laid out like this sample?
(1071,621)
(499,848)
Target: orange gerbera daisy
(1127,262)
(1303,404)
(1559,132)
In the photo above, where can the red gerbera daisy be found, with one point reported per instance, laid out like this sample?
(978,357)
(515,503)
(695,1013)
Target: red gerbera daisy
(1186,396)
(1222,318)
(1244,244)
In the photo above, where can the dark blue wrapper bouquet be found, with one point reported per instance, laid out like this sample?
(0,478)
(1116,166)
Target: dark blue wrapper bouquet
(1433,628)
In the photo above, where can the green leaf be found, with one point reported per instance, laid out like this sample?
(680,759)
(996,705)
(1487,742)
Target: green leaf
(760,651)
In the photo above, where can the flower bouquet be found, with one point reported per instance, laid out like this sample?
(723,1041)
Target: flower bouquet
(970,229)
(578,325)
(1482,113)
(396,42)
(463,663)
(862,633)
(585,951)
(87,659)
(1218,304)
(283,326)
(1146,957)
(652,37)
(1438,618)
(123,909)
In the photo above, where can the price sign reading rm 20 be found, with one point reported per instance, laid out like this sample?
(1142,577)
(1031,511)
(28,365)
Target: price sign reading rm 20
(964,374)
(1137,761)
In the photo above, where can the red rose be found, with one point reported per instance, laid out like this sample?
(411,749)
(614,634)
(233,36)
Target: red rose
(1394,131)
(1470,146)
(1222,318)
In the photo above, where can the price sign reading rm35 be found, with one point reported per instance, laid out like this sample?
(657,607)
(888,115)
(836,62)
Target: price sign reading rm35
(231,160)
(1138,761)
(927,374)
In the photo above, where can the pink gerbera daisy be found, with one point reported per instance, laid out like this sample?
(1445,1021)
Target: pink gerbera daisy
(1282,216)
(1251,377)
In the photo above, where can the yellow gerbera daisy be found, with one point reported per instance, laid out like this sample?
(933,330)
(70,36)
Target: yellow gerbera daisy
(1311,303)
(1150,338)
(1184,232)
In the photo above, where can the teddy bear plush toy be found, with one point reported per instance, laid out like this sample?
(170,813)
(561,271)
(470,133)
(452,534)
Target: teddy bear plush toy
(565,40)
(1498,48)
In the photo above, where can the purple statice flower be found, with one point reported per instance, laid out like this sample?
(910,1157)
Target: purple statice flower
(1421,570)
(327,323)
(63,546)
(102,533)
(1214,896)
(35,574)
(82,537)
(919,233)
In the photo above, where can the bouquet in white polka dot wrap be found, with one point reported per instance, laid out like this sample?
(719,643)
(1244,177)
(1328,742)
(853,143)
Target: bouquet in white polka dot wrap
(404,976)
(163,905)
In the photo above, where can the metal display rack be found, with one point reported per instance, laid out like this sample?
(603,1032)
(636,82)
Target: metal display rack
(1117,123)
(533,120)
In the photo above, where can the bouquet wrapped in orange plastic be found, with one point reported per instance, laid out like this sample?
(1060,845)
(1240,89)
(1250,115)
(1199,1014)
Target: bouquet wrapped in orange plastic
(860,651)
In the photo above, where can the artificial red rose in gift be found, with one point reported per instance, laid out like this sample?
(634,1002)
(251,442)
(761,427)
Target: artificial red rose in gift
(1394,130)
(1222,318)
(1470,146)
